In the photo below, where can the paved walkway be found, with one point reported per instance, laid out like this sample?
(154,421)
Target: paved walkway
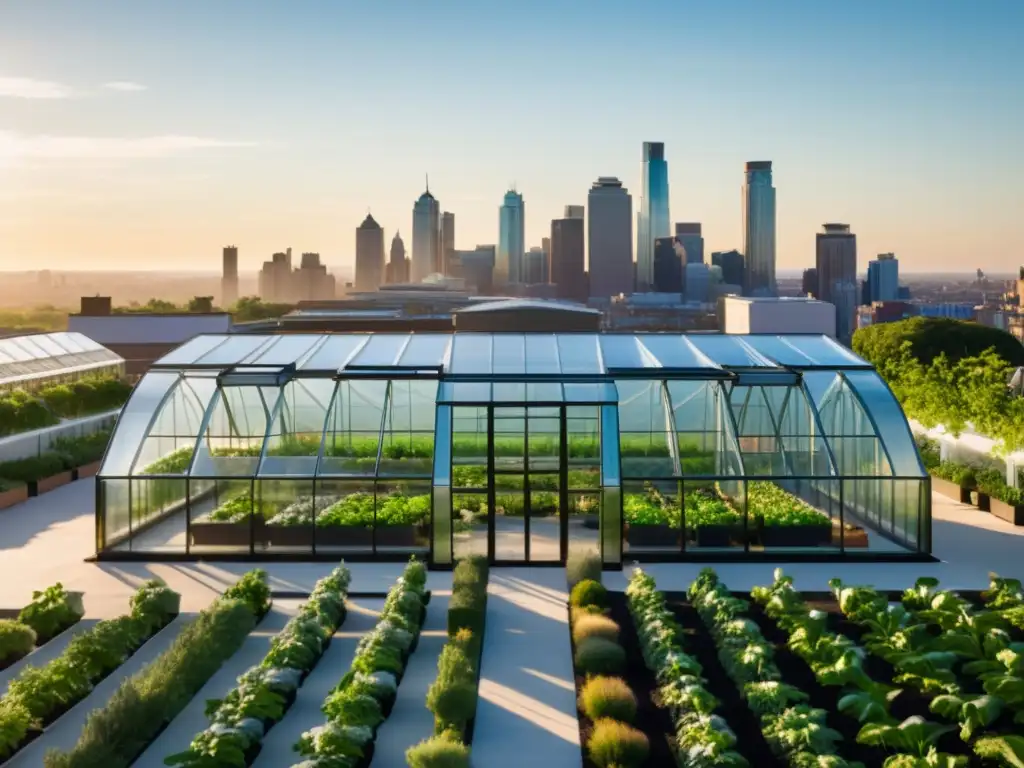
(527,709)
(410,721)
(305,713)
(64,733)
(191,720)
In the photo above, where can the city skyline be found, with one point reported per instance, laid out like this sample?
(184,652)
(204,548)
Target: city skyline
(109,158)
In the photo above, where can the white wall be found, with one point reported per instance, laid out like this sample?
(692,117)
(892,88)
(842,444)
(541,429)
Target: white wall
(148,329)
(25,444)
(779,316)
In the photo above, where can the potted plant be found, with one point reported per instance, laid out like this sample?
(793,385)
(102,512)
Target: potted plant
(1007,503)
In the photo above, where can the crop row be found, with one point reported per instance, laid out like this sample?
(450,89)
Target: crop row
(363,698)
(51,611)
(21,411)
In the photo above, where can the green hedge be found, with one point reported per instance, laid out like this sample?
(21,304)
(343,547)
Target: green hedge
(67,453)
(21,412)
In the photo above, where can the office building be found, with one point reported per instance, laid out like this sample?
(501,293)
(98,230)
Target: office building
(688,235)
(732,266)
(398,264)
(425,237)
(229,277)
(511,241)
(758,204)
(311,281)
(476,268)
(883,278)
(668,266)
(574,211)
(369,255)
(654,213)
(275,278)
(835,258)
(809,282)
(609,238)
(697,282)
(533,266)
(567,259)
(447,239)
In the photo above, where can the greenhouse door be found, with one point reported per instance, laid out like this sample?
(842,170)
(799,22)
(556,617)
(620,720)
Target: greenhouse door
(527,494)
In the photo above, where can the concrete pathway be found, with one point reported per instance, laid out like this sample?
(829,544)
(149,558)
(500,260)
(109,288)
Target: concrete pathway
(527,709)
(305,712)
(64,733)
(410,721)
(191,720)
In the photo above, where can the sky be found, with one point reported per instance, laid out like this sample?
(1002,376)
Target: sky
(147,135)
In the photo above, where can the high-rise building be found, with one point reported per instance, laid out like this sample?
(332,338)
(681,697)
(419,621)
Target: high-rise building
(697,282)
(545,245)
(369,255)
(398,265)
(809,283)
(511,240)
(609,238)
(574,211)
(447,236)
(883,278)
(654,216)
(668,266)
(759,229)
(533,266)
(835,259)
(732,266)
(425,236)
(229,277)
(311,281)
(689,236)
(567,270)
(275,278)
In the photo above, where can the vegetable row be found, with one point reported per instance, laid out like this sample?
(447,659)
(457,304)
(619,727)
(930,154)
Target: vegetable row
(51,611)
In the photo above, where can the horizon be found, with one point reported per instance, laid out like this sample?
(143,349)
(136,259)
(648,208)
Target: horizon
(110,155)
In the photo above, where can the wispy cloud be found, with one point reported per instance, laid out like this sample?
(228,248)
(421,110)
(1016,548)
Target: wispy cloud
(17,147)
(124,85)
(31,88)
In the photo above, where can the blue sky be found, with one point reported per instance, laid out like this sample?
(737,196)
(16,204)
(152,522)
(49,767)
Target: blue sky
(268,124)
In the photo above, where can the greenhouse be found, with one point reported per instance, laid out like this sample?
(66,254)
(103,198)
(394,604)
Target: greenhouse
(43,359)
(520,447)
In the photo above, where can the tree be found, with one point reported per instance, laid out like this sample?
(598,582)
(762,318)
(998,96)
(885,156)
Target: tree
(930,337)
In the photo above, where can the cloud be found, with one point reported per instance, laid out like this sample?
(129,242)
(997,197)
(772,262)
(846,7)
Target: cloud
(30,88)
(16,147)
(124,85)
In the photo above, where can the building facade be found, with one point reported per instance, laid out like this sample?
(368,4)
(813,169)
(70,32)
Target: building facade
(574,212)
(688,235)
(758,202)
(447,239)
(398,264)
(511,240)
(835,258)
(884,278)
(732,266)
(668,266)
(369,255)
(654,211)
(534,266)
(609,238)
(697,282)
(567,259)
(229,276)
(425,237)
(476,268)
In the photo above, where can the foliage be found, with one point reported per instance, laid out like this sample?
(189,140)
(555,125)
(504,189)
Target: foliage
(253,590)
(16,639)
(583,565)
(52,610)
(250,308)
(589,592)
(85,396)
(33,468)
(616,745)
(779,507)
(442,751)
(598,656)
(1006,750)
(930,337)
(608,697)
(593,625)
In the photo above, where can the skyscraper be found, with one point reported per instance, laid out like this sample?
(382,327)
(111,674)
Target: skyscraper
(884,278)
(836,263)
(688,235)
(447,241)
(229,277)
(533,266)
(759,229)
(511,240)
(398,265)
(567,259)
(609,238)
(731,263)
(668,266)
(369,255)
(653,211)
(425,236)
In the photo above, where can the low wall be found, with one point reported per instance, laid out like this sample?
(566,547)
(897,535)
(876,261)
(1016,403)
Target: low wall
(35,442)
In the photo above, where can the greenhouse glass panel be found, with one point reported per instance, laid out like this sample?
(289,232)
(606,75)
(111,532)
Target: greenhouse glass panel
(580,354)
(232,440)
(542,355)
(425,350)
(353,430)
(133,423)
(234,350)
(286,350)
(647,443)
(381,351)
(331,356)
(509,356)
(296,431)
(408,436)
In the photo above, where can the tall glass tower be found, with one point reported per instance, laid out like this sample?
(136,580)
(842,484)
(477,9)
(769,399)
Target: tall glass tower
(654,218)
(511,240)
(759,229)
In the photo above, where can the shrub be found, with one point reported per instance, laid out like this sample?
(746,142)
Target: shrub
(610,697)
(583,565)
(470,575)
(589,592)
(33,468)
(453,704)
(444,751)
(253,590)
(466,611)
(616,745)
(588,625)
(597,656)
(52,610)
(16,639)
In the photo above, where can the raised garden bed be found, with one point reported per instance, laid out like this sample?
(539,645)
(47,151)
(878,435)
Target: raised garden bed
(652,535)
(13,496)
(795,535)
(718,535)
(209,534)
(1002,510)
(406,536)
(47,484)
(87,470)
(951,490)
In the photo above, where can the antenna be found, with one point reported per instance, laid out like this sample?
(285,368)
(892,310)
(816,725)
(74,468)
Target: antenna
(428,181)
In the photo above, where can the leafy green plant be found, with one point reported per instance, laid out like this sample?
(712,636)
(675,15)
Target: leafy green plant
(1006,750)
(253,590)
(616,745)
(608,697)
(915,735)
(589,592)
(442,751)
(52,610)
(598,656)
(16,639)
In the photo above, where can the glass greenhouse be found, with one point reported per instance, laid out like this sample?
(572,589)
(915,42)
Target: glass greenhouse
(42,359)
(521,447)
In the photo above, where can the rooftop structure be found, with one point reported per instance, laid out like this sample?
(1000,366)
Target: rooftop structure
(38,360)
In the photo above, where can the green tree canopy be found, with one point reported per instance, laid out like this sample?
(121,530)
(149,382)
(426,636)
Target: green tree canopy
(930,337)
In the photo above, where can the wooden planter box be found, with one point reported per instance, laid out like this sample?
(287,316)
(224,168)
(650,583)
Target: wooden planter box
(210,534)
(951,490)
(718,535)
(1002,510)
(89,470)
(982,501)
(857,538)
(796,535)
(344,536)
(407,536)
(40,487)
(652,536)
(290,535)
(13,496)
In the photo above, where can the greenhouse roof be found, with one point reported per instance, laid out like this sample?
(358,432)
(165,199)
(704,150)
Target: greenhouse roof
(529,356)
(41,355)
